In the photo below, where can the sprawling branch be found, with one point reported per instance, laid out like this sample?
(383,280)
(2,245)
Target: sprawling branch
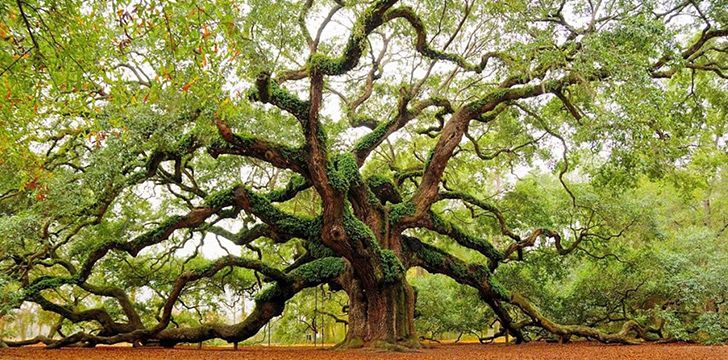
(438,261)
(477,276)
(624,336)
(269,303)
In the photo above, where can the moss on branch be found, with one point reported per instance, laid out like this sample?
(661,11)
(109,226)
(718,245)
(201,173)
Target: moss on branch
(343,172)
(398,211)
(451,230)
(320,270)
(221,199)
(383,189)
(369,20)
(261,206)
(270,92)
(296,184)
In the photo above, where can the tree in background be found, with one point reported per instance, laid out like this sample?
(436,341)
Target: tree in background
(338,143)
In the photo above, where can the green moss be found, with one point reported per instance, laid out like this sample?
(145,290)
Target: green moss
(376,181)
(317,249)
(320,270)
(47,282)
(294,185)
(392,268)
(372,198)
(201,270)
(326,65)
(220,199)
(244,140)
(459,269)
(346,164)
(297,226)
(431,256)
(268,293)
(398,211)
(285,100)
(499,290)
(357,231)
(314,228)
(280,97)
(383,190)
(343,172)
(261,206)
(372,139)
(356,44)
(481,272)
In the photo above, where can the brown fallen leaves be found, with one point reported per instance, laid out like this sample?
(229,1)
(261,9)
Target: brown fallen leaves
(531,351)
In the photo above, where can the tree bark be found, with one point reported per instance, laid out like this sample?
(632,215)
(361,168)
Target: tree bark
(381,317)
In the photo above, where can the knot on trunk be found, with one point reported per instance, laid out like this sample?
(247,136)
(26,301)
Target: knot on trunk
(337,233)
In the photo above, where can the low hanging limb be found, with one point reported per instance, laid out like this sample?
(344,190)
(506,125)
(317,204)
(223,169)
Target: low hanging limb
(269,303)
(437,261)
(260,205)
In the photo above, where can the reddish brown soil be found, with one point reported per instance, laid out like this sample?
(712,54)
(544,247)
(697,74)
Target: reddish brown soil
(590,351)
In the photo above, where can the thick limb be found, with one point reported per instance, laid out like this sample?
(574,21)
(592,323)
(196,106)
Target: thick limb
(438,261)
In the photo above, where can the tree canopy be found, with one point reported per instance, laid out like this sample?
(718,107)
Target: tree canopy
(565,160)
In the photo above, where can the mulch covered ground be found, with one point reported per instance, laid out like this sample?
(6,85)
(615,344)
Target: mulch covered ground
(590,351)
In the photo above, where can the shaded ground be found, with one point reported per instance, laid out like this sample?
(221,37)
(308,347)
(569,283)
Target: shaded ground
(459,352)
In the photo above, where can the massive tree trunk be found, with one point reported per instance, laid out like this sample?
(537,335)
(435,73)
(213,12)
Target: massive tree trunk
(381,317)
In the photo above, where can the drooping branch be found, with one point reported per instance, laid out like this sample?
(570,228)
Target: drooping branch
(268,304)
(40,339)
(479,277)
(438,261)
(99,315)
(121,297)
(209,271)
(161,233)
(624,336)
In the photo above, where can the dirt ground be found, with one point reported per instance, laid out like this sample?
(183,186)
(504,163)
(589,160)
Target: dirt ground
(531,351)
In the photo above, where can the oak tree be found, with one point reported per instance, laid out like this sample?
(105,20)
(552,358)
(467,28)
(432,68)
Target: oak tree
(333,142)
